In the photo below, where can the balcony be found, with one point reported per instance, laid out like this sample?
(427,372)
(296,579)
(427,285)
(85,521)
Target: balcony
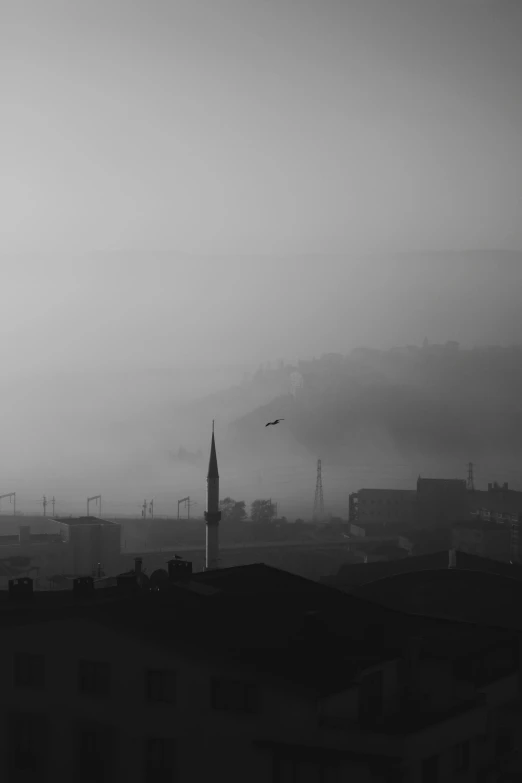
(413,734)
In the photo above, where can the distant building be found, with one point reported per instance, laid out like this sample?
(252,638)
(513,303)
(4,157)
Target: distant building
(382,507)
(91,541)
(32,554)
(484,538)
(441,501)
(498,499)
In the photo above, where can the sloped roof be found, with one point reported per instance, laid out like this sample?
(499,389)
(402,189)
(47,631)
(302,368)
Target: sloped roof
(310,636)
(354,574)
(258,578)
(468,595)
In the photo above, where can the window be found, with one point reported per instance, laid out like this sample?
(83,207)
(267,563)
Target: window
(289,769)
(160,760)
(94,678)
(93,746)
(430,770)
(370,696)
(504,744)
(234,695)
(27,744)
(161,686)
(29,670)
(461,757)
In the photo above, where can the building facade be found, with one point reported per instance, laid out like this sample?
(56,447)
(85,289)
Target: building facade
(382,507)
(143,704)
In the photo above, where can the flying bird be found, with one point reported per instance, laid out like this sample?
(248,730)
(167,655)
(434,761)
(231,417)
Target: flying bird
(271,423)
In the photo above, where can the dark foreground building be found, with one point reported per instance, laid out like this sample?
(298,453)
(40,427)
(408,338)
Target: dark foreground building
(244,674)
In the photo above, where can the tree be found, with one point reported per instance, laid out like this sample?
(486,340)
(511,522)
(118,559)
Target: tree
(232,510)
(261,511)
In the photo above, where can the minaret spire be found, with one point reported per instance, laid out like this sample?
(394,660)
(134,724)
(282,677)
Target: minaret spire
(212,514)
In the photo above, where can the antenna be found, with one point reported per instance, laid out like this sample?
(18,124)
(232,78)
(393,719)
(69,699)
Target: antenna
(318,514)
(470,484)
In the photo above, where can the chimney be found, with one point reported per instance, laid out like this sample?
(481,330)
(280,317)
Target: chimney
(83,587)
(138,562)
(20,589)
(179,570)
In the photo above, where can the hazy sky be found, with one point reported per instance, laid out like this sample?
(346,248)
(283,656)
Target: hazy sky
(133,134)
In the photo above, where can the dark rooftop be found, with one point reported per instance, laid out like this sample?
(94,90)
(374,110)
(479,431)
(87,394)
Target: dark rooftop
(282,625)
(469,595)
(354,574)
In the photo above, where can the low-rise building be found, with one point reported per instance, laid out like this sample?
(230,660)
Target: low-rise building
(91,541)
(483,538)
(77,546)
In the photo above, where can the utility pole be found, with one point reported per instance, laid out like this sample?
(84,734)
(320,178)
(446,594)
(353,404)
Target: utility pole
(187,501)
(471,480)
(44,504)
(144,510)
(53,502)
(151,509)
(97,498)
(12,499)
(318,514)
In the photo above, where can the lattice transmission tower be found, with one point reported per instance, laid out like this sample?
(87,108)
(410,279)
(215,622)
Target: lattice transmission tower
(318,515)
(470,483)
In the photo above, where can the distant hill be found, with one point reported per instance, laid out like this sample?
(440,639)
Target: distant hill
(431,402)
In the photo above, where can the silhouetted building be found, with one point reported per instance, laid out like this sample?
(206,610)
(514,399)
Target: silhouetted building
(300,682)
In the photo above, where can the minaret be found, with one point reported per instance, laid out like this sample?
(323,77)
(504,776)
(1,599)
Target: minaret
(212,514)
